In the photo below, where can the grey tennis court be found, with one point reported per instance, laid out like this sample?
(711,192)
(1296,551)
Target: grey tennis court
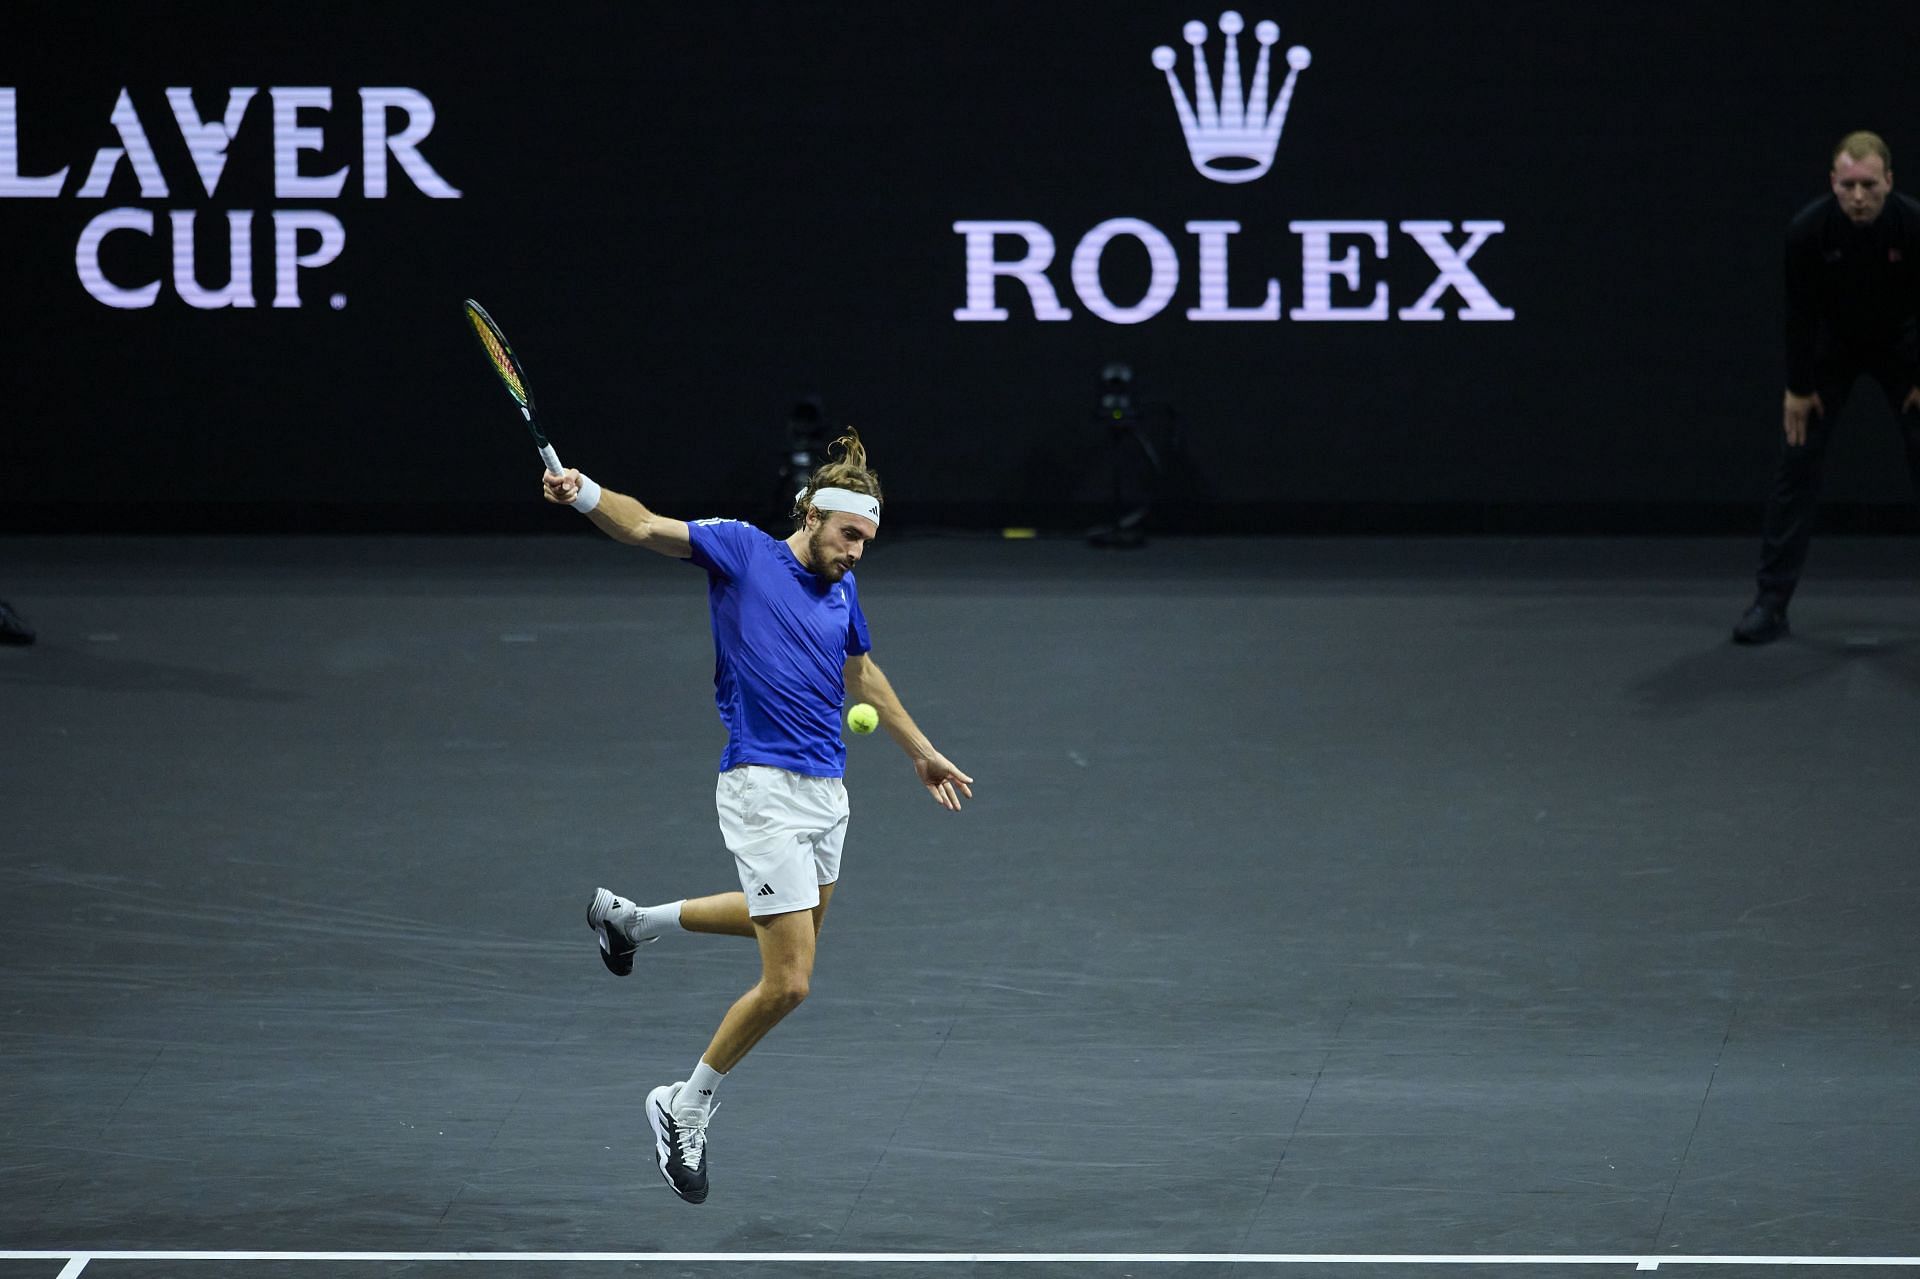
(1330,908)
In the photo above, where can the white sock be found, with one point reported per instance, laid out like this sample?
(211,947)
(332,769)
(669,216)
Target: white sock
(697,1093)
(655,920)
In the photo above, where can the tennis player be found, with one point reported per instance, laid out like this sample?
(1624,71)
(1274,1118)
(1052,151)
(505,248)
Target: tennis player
(791,646)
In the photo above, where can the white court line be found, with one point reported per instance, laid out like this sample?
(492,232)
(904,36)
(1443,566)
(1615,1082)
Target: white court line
(77,1261)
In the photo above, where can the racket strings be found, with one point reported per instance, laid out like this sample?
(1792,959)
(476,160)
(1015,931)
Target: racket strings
(501,357)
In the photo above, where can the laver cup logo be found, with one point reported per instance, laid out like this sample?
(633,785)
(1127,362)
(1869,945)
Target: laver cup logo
(391,124)
(1232,135)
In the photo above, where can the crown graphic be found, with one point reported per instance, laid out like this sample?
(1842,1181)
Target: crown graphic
(1232,139)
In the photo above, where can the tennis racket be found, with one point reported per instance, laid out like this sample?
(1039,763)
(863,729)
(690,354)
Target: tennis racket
(513,376)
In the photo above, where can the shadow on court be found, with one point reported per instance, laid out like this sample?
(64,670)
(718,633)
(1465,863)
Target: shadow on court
(54,665)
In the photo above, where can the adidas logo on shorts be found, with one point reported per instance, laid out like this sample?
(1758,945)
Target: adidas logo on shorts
(766,890)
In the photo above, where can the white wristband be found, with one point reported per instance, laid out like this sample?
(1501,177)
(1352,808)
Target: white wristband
(588,497)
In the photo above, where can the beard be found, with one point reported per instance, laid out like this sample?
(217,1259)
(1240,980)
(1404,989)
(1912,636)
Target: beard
(820,561)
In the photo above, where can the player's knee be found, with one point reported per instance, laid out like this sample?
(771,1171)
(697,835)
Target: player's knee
(786,990)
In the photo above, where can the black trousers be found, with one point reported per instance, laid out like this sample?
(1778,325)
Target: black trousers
(1796,476)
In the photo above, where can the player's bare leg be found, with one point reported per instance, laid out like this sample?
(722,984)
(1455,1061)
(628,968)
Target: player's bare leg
(623,927)
(786,972)
(678,1113)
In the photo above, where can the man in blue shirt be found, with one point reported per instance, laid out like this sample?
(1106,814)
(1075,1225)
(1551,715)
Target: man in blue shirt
(790,646)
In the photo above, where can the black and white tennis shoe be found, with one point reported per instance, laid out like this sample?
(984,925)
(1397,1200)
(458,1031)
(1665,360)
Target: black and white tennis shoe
(679,1143)
(619,924)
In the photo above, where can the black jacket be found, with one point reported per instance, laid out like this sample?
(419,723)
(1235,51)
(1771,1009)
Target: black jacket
(1853,293)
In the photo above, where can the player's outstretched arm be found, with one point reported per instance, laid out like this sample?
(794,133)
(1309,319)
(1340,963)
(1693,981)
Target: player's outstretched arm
(620,517)
(866,682)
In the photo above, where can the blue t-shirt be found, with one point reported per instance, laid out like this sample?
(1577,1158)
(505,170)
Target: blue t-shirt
(781,638)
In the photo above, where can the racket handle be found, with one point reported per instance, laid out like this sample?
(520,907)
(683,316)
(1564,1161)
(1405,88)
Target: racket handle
(551,458)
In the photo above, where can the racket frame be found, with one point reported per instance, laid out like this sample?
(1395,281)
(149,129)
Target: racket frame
(494,345)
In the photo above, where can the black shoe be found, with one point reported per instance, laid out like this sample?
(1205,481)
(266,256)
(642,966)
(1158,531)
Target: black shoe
(614,919)
(680,1147)
(13,627)
(1764,623)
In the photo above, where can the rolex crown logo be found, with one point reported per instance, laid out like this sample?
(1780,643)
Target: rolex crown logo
(1232,139)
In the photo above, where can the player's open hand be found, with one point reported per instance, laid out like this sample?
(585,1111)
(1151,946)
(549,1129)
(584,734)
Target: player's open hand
(561,488)
(943,781)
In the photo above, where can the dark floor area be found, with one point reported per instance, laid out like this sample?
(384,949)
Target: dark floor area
(1363,896)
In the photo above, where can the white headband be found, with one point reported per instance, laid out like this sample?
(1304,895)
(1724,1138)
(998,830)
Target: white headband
(849,501)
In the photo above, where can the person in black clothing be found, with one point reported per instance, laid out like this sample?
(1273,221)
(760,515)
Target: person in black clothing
(1853,308)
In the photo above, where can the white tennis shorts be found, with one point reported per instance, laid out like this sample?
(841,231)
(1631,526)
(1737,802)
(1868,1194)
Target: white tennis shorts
(785,832)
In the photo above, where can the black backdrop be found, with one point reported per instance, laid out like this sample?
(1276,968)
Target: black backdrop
(686,216)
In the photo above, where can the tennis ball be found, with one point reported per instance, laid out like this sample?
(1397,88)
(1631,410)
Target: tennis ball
(862,718)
